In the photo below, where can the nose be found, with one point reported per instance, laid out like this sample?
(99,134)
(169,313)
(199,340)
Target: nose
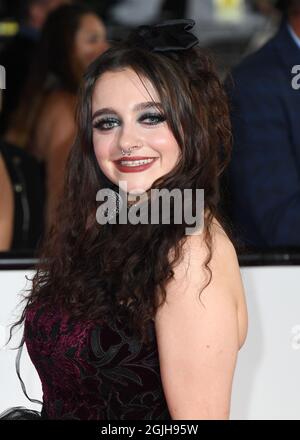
(128,139)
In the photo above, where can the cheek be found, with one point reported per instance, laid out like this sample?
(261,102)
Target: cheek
(83,53)
(166,146)
(91,51)
(101,149)
(78,56)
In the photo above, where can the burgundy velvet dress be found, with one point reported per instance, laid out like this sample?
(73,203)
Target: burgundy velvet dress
(94,371)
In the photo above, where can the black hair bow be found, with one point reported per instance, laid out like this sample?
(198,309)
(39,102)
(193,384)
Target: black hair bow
(165,36)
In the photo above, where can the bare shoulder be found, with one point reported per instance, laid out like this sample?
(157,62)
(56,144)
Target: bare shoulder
(57,101)
(56,123)
(4,176)
(226,281)
(223,262)
(6,207)
(200,328)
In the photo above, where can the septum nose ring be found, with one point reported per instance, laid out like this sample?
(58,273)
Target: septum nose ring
(129,152)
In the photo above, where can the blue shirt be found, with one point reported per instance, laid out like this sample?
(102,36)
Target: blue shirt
(294,36)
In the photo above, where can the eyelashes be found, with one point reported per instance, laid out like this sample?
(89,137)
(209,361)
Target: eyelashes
(105,124)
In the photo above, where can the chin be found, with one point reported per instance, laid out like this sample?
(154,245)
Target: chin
(135,189)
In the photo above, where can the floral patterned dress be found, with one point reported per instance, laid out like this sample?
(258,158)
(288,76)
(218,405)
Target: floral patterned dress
(94,371)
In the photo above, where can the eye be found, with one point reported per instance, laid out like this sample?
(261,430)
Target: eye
(154,118)
(105,123)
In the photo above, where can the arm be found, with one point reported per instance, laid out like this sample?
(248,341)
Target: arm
(198,342)
(264,172)
(59,124)
(6,208)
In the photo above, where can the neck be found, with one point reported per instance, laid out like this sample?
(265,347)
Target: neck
(135,198)
(294,22)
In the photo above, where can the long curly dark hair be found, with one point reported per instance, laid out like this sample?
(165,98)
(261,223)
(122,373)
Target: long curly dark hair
(94,271)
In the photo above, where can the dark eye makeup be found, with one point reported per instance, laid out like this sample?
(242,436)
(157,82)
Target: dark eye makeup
(107,123)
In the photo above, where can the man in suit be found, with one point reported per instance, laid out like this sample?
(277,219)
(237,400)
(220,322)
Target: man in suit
(263,177)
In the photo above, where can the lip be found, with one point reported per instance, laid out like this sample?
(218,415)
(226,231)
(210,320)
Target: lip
(126,169)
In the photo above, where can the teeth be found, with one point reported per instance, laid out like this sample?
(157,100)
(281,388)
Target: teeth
(135,163)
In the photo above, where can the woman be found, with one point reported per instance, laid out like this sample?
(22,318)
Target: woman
(73,36)
(140,321)
(21,200)
(6,208)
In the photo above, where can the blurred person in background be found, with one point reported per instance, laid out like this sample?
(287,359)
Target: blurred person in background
(17,55)
(6,207)
(44,124)
(21,199)
(264,175)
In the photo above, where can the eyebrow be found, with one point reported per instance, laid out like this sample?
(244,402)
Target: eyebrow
(138,107)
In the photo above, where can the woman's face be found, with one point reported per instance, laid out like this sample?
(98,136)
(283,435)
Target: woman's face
(125,116)
(90,40)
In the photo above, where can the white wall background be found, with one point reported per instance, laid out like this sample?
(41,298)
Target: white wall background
(12,285)
(267,379)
